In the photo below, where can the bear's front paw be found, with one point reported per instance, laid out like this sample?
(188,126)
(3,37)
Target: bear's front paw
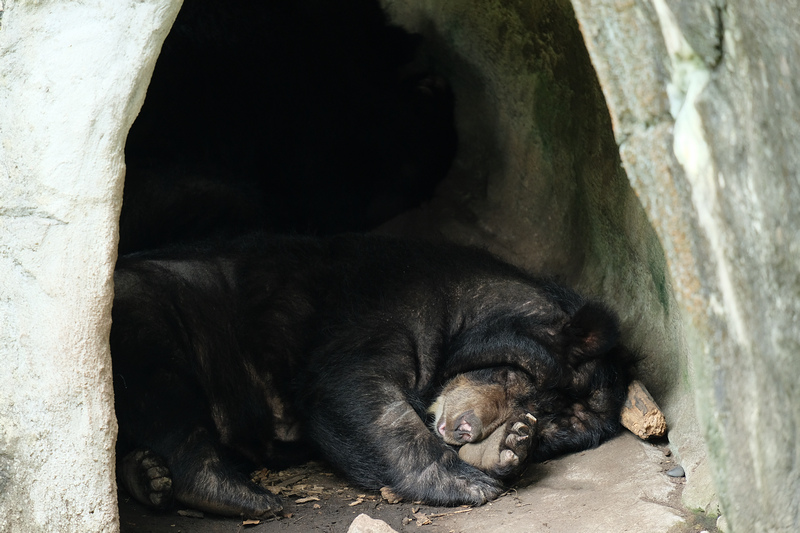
(520,434)
(502,454)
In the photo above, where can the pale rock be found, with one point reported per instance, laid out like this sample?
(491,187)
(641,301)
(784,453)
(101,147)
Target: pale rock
(365,524)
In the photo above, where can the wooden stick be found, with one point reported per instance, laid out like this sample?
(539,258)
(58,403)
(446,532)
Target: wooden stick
(641,415)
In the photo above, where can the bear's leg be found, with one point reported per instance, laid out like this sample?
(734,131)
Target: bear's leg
(169,448)
(196,473)
(206,477)
(386,443)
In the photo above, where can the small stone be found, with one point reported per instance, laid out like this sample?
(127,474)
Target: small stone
(676,472)
(365,524)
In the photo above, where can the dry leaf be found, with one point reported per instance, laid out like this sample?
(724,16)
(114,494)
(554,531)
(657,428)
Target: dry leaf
(317,506)
(422,520)
(259,475)
(307,499)
(360,500)
(250,522)
(390,496)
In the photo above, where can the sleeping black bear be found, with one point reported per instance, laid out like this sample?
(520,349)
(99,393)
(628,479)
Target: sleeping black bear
(382,356)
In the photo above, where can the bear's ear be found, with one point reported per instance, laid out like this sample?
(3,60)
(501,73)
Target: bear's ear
(591,332)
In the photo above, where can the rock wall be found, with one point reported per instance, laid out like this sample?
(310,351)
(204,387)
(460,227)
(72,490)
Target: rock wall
(72,78)
(705,100)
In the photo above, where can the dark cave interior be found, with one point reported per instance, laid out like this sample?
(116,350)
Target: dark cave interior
(290,117)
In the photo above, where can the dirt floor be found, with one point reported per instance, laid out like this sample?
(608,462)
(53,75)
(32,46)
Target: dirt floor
(621,486)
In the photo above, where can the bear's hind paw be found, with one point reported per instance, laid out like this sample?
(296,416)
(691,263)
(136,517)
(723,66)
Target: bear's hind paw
(146,477)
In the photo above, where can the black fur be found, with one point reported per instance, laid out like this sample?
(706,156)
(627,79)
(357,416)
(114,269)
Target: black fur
(251,353)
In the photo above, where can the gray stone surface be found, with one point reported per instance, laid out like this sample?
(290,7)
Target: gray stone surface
(72,78)
(618,487)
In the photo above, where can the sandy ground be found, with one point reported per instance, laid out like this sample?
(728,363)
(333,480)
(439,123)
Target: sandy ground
(621,486)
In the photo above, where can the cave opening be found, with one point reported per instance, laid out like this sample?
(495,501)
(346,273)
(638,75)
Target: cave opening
(482,124)
(289,117)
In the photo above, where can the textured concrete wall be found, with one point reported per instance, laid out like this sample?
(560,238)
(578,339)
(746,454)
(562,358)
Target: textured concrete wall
(538,179)
(705,100)
(72,78)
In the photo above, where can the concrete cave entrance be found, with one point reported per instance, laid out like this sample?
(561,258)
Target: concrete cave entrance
(536,177)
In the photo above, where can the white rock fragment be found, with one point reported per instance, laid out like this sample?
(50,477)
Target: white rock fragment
(365,524)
